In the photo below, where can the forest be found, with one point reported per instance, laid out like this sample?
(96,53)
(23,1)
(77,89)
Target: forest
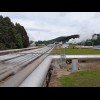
(12,36)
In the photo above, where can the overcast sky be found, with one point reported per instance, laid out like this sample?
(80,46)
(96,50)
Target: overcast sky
(49,25)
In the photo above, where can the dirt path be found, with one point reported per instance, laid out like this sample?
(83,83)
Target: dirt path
(57,73)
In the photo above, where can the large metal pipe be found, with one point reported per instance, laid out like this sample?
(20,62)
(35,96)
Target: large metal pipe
(16,50)
(37,77)
(78,56)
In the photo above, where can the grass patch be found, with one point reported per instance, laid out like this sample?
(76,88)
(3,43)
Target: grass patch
(70,51)
(85,78)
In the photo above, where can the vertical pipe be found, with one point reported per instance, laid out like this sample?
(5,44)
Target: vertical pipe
(74,64)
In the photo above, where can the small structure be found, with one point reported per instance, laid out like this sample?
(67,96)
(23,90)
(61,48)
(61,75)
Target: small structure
(60,43)
(65,45)
(33,44)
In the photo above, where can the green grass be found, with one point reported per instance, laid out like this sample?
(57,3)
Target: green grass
(69,51)
(81,79)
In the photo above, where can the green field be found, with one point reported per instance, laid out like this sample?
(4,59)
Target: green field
(70,51)
(81,79)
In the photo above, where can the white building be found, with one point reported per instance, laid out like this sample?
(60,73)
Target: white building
(65,45)
(60,42)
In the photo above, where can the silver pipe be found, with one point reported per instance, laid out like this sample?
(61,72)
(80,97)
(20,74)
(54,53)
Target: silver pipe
(36,79)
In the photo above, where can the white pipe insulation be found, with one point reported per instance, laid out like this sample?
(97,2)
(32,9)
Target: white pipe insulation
(37,77)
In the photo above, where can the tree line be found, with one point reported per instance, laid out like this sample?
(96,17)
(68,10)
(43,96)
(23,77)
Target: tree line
(12,36)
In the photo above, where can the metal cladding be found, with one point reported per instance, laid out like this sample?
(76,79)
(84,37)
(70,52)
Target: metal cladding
(36,79)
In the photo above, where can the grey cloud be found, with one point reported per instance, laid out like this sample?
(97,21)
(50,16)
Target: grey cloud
(50,25)
(41,30)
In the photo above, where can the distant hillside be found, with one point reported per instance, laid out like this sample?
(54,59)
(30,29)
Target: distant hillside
(59,39)
(12,36)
